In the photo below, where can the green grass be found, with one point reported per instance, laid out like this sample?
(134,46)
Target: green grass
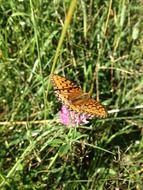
(100,48)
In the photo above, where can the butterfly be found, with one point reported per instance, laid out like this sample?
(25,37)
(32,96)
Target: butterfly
(75,99)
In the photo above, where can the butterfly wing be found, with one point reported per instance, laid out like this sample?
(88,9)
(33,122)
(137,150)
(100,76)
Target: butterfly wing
(92,107)
(65,90)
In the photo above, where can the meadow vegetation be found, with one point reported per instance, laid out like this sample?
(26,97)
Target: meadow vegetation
(101,50)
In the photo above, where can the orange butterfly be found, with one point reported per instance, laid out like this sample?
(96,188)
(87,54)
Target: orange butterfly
(75,99)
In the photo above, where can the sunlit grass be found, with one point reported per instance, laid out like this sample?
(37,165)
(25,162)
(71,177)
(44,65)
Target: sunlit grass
(101,50)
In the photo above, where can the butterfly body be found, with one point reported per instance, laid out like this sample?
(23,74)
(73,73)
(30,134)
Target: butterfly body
(75,99)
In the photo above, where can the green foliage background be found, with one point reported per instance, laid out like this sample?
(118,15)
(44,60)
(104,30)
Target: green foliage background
(104,39)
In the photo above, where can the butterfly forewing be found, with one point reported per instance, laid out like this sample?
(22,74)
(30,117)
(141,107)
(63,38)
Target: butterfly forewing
(92,107)
(73,97)
(65,89)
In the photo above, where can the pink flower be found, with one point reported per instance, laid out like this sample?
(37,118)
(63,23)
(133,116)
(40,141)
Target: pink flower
(71,118)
